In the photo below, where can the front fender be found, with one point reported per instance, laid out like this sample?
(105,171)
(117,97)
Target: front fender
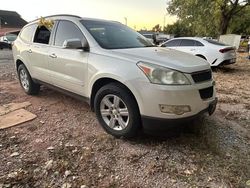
(128,83)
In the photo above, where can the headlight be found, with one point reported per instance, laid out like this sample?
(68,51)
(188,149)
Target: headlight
(161,75)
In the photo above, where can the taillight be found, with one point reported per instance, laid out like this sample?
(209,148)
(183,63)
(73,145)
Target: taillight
(224,50)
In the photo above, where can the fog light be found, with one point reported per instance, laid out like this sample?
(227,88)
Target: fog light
(175,109)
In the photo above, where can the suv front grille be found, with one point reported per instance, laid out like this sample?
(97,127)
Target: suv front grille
(202,76)
(207,92)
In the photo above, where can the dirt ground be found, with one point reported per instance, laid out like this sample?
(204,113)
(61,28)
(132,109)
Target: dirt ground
(66,147)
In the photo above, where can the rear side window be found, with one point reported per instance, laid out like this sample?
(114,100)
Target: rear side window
(67,30)
(42,35)
(197,43)
(172,43)
(187,42)
(28,32)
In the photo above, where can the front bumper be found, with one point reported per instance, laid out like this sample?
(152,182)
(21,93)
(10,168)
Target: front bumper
(150,96)
(152,123)
(228,62)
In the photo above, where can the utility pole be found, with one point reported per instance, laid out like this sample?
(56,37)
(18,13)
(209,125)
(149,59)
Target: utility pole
(164,21)
(126,20)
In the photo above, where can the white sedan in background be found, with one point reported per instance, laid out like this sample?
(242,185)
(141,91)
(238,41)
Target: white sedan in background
(214,52)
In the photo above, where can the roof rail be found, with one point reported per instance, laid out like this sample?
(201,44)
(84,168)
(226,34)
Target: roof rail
(57,15)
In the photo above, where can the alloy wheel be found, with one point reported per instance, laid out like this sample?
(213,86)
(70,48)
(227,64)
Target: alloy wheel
(24,79)
(114,112)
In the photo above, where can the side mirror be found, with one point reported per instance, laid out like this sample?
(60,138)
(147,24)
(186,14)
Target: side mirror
(76,44)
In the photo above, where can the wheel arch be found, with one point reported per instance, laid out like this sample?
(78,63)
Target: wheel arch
(104,81)
(201,56)
(18,63)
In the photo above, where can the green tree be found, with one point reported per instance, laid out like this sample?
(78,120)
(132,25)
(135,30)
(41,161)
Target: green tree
(207,17)
(241,24)
(156,28)
(196,14)
(229,9)
(179,29)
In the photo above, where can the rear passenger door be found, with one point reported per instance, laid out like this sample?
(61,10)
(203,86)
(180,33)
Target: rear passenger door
(68,67)
(39,54)
(189,46)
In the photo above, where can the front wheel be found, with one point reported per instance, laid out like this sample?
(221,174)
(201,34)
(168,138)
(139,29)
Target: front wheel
(117,111)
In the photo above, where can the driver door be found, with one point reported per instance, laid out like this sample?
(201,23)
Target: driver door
(68,67)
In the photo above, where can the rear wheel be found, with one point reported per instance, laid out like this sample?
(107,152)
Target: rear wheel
(26,81)
(117,111)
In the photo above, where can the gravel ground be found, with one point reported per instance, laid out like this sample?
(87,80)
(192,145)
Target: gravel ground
(66,147)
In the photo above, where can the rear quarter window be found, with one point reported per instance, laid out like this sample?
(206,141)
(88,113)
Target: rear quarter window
(197,43)
(28,33)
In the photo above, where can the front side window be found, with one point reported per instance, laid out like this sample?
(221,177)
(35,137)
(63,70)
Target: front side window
(67,30)
(172,43)
(28,32)
(114,35)
(42,35)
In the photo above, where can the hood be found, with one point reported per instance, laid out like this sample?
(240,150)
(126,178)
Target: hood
(164,57)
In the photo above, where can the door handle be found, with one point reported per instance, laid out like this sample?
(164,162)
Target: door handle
(30,51)
(53,55)
(192,50)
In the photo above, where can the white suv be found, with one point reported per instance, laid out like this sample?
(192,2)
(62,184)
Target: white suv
(127,81)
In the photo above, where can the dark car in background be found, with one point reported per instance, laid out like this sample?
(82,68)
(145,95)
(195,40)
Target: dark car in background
(4,45)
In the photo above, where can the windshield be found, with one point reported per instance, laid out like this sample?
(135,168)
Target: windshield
(113,35)
(215,42)
(11,38)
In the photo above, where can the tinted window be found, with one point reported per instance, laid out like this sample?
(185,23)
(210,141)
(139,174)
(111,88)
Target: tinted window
(172,43)
(42,35)
(67,30)
(114,35)
(187,42)
(197,43)
(27,33)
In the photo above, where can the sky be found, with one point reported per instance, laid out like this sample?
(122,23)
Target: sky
(139,13)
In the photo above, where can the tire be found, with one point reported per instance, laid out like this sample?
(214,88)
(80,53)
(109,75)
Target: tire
(26,81)
(117,111)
